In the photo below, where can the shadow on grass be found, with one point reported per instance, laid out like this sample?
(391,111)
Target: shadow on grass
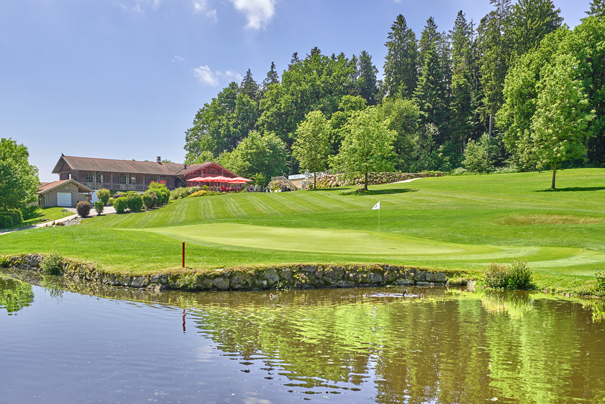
(389,191)
(326,189)
(573,189)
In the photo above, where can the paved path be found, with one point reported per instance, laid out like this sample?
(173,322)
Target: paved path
(109,210)
(401,182)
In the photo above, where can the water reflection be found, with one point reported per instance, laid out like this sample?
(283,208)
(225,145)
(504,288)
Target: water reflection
(14,294)
(340,345)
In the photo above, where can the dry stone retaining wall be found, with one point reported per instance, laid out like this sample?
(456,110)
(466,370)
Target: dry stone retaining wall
(268,278)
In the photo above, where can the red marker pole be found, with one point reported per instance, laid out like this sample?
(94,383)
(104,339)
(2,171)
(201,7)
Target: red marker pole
(183,254)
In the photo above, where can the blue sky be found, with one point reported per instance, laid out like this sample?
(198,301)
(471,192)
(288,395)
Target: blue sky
(123,79)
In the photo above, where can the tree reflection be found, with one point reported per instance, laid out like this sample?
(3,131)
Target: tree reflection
(14,294)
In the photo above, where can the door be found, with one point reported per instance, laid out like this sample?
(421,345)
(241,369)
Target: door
(64,199)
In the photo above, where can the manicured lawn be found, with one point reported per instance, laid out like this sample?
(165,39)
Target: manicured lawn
(451,222)
(46,215)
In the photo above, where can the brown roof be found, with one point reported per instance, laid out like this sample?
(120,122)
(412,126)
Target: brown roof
(47,186)
(130,167)
(118,166)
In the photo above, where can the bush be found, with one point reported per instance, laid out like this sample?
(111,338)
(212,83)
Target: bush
(99,206)
(154,200)
(120,204)
(6,221)
(5,262)
(198,193)
(51,265)
(147,201)
(110,201)
(600,280)
(118,195)
(517,276)
(104,195)
(83,208)
(205,187)
(160,190)
(135,202)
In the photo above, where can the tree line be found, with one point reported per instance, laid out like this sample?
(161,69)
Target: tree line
(519,89)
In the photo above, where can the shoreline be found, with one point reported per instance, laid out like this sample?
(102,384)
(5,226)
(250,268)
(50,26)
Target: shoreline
(273,277)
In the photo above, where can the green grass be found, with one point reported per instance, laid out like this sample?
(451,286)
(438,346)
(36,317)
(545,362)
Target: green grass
(45,215)
(460,222)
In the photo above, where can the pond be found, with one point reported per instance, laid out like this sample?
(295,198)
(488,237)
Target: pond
(74,342)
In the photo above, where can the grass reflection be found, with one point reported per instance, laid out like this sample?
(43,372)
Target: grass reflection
(14,294)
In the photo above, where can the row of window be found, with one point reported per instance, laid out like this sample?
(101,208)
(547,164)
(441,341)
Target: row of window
(124,178)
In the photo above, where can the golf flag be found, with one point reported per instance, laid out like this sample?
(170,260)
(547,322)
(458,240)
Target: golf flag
(377,206)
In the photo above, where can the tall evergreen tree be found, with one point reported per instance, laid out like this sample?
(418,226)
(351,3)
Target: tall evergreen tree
(293,61)
(432,89)
(400,67)
(597,8)
(272,77)
(249,86)
(366,83)
(531,20)
(461,107)
(495,52)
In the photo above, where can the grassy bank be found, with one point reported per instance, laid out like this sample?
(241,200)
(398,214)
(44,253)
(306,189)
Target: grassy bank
(451,222)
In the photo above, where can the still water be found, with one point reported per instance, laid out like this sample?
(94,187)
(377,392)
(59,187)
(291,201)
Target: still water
(78,343)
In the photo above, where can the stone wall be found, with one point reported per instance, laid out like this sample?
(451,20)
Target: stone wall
(340,180)
(265,278)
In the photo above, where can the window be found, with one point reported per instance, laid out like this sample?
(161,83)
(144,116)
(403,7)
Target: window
(122,178)
(99,177)
(88,177)
(163,178)
(154,178)
(213,172)
(133,179)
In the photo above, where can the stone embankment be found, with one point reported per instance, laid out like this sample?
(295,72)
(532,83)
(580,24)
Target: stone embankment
(340,180)
(265,278)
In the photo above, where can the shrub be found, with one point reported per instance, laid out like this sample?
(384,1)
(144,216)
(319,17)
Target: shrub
(600,280)
(83,208)
(6,221)
(51,264)
(198,193)
(118,195)
(517,276)
(520,275)
(135,202)
(154,199)
(99,206)
(5,262)
(205,187)
(194,189)
(147,201)
(120,204)
(110,201)
(160,191)
(103,195)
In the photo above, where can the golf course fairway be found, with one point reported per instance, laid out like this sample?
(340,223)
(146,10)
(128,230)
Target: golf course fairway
(454,222)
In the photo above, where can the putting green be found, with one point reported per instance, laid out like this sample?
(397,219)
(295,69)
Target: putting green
(364,243)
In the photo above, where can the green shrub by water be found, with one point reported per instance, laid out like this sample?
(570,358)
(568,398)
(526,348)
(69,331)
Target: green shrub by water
(51,265)
(516,276)
(601,280)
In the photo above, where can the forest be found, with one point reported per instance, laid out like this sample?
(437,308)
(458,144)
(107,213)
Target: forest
(518,91)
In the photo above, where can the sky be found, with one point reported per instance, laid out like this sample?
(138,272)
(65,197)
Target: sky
(123,79)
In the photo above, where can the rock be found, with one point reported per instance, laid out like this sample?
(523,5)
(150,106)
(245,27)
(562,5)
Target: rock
(334,273)
(435,277)
(138,281)
(420,276)
(286,274)
(271,277)
(221,283)
(404,282)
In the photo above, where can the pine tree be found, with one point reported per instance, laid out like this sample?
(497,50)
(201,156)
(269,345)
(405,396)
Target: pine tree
(461,108)
(429,37)
(400,67)
(494,46)
(249,86)
(272,78)
(366,83)
(531,20)
(293,61)
(597,8)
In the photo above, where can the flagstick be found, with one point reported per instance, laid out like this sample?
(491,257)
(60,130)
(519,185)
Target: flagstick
(378,229)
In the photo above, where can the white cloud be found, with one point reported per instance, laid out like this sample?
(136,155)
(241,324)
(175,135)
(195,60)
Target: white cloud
(211,78)
(258,12)
(234,75)
(178,59)
(206,76)
(211,14)
(201,6)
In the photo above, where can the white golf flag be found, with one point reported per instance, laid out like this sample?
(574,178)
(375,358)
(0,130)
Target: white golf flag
(377,206)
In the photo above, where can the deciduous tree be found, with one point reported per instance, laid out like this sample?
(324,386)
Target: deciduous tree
(312,146)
